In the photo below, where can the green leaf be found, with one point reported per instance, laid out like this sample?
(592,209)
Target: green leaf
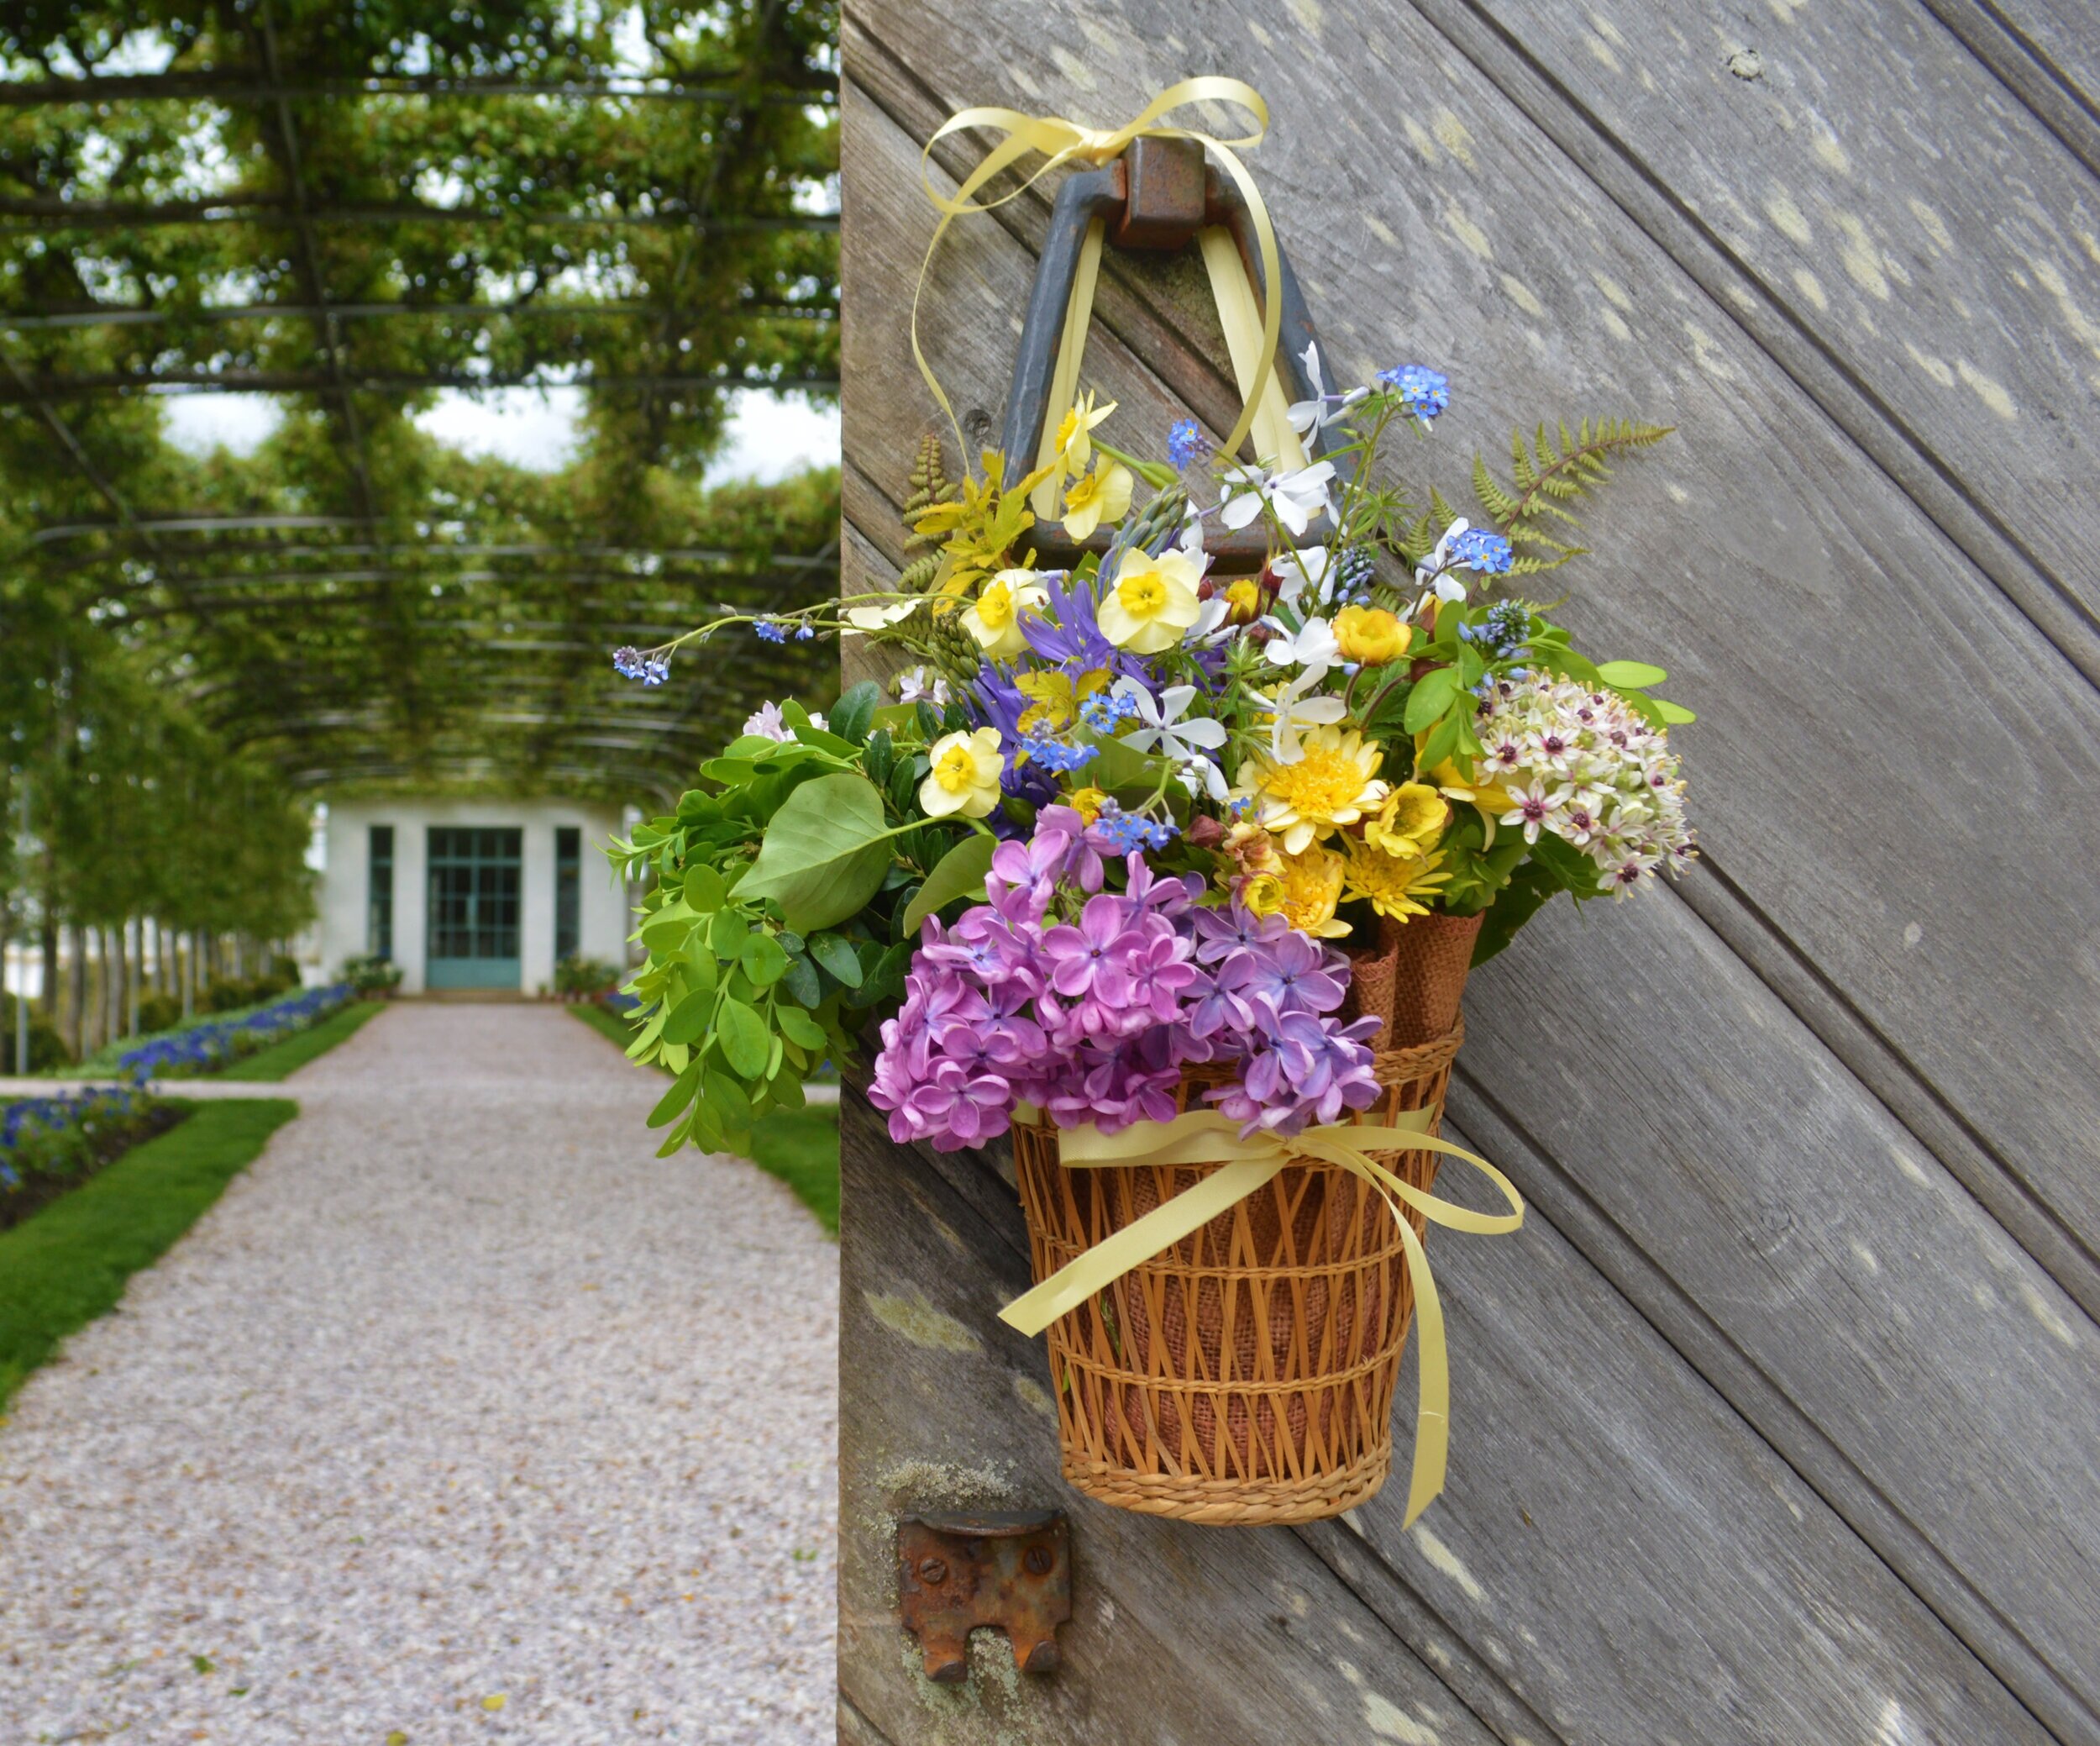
(837,956)
(727,934)
(705,893)
(1674,714)
(665,931)
(689,1019)
(746,1041)
(1442,743)
(1432,696)
(800,983)
(764,961)
(1630,673)
(674,1100)
(959,873)
(728,1100)
(854,713)
(799,1027)
(825,855)
(881,756)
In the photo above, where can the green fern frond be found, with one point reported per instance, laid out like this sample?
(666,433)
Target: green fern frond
(1547,475)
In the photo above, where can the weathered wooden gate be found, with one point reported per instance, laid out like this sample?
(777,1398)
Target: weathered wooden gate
(1780,1420)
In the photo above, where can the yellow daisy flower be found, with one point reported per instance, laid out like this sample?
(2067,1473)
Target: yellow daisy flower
(1311,887)
(1394,887)
(1332,782)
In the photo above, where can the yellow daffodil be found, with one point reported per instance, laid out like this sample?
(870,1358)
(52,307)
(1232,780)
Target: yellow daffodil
(1153,601)
(1371,635)
(1409,822)
(1074,447)
(1243,601)
(964,776)
(1394,888)
(1333,782)
(1312,886)
(993,619)
(1087,802)
(1055,699)
(1101,496)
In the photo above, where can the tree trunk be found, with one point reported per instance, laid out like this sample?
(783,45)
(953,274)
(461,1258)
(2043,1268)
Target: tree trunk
(77,993)
(50,990)
(135,988)
(186,973)
(120,1005)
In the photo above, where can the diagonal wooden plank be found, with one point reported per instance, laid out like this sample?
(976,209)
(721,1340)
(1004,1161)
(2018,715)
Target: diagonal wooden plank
(1874,181)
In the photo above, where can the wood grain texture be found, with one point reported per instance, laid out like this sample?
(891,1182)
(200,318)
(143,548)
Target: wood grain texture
(1812,1430)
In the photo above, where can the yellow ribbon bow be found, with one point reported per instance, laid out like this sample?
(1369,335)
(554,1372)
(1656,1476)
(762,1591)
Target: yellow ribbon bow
(1060,142)
(1206,1137)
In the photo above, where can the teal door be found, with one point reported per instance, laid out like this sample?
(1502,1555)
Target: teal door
(475,874)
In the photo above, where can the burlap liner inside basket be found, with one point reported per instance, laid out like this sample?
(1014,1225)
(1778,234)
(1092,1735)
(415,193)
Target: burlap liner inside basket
(1246,1374)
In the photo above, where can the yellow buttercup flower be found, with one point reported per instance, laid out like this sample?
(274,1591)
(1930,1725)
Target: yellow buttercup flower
(1056,699)
(993,619)
(1087,802)
(1074,447)
(1312,886)
(1411,820)
(1394,887)
(1153,601)
(1333,782)
(1371,635)
(1243,601)
(1102,495)
(964,776)
(1262,893)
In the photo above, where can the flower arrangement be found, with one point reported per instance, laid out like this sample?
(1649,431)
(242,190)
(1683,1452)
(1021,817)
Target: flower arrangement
(1210,793)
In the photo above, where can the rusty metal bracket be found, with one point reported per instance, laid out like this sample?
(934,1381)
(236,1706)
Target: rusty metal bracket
(1012,1569)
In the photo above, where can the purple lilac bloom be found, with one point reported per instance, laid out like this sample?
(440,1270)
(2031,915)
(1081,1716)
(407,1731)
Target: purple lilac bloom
(1090,1002)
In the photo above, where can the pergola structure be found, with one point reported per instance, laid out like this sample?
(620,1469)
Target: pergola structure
(351,209)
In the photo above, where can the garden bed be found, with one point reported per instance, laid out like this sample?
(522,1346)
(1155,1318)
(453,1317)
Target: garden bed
(212,1045)
(49,1146)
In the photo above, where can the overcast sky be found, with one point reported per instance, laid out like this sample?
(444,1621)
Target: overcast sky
(769,438)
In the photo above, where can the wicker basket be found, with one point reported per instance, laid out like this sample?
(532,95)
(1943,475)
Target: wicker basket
(1246,1374)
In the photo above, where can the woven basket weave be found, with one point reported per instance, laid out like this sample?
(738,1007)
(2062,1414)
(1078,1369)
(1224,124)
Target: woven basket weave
(1246,1374)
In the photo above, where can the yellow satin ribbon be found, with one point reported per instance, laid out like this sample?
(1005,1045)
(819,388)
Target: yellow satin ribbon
(1060,142)
(1206,1137)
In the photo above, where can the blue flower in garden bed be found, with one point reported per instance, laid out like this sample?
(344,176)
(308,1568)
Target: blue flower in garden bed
(216,1042)
(47,1142)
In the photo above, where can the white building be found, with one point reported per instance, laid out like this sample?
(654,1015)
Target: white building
(470,894)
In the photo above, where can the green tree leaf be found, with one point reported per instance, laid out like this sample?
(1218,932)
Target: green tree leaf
(825,854)
(959,873)
(837,956)
(1674,714)
(800,983)
(746,1041)
(1630,673)
(705,892)
(799,1027)
(763,960)
(674,1100)
(689,1019)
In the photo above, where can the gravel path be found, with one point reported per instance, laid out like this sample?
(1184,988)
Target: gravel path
(459,1417)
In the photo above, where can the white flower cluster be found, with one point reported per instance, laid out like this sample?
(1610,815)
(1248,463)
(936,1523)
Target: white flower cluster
(1582,766)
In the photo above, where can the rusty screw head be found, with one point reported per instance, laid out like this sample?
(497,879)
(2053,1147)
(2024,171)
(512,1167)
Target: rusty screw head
(932,1571)
(1036,1560)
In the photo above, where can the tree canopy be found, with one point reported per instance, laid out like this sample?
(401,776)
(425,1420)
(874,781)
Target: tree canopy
(354,209)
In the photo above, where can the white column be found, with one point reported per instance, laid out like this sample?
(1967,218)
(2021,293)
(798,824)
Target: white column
(536,906)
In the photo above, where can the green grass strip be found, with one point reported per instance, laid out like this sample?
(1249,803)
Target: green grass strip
(800,1146)
(274,1063)
(62,1267)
